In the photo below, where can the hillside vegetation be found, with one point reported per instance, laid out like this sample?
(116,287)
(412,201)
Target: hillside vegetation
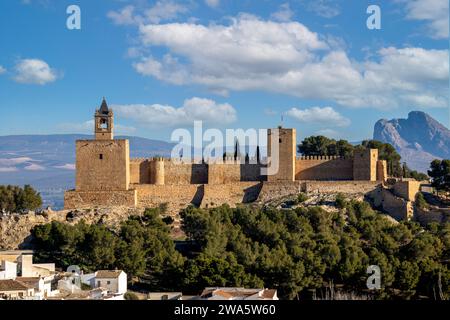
(297,251)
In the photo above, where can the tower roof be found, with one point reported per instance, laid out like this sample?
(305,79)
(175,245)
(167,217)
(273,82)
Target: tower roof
(104,107)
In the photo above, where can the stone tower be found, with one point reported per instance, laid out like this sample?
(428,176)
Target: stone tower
(102,163)
(283,142)
(104,122)
(365,165)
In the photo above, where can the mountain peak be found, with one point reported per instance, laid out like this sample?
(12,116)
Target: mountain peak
(419,139)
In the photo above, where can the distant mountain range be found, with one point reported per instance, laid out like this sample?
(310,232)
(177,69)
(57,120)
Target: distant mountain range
(419,139)
(47,162)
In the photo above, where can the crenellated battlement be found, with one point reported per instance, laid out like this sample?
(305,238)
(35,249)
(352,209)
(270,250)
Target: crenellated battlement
(104,165)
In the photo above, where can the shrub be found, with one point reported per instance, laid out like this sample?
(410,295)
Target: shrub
(130,296)
(421,203)
(302,197)
(340,201)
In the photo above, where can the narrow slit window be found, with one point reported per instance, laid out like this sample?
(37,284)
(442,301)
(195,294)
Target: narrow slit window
(100,156)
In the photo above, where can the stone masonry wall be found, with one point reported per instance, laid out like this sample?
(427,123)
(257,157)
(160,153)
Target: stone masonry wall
(185,173)
(323,168)
(102,165)
(175,196)
(220,173)
(396,207)
(88,199)
(139,171)
(407,189)
(231,193)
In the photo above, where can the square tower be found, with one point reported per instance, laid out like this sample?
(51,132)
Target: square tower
(365,165)
(104,122)
(284,142)
(102,164)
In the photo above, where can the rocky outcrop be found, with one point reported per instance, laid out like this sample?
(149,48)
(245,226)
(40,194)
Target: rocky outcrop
(419,139)
(15,229)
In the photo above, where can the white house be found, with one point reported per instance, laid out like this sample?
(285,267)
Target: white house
(114,281)
(42,285)
(30,269)
(8,270)
(13,289)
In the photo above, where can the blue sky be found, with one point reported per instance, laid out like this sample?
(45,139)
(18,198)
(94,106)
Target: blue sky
(232,64)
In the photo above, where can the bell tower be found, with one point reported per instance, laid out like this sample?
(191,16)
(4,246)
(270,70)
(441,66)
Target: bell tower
(104,122)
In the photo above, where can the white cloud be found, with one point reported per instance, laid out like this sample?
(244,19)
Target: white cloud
(87,127)
(164,10)
(325,116)
(34,71)
(125,16)
(14,161)
(284,13)
(34,167)
(434,12)
(67,166)
(286,57)
(8,169)
(324,8)
(212,3)
(193,109)
(2,70)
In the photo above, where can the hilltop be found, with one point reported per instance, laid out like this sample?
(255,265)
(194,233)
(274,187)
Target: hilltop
(419,139)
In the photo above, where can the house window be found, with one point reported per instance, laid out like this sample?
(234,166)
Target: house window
(108,282)
(100,156)
(99,284)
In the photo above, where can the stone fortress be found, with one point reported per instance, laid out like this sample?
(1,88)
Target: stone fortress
(106,176)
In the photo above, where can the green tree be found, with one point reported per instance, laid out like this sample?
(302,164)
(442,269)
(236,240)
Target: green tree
(315,146)
(16,199)
(386,152)
(440,174)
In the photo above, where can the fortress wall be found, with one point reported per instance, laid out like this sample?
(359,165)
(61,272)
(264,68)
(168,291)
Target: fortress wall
(345,187)
(396,207)
(230,193)
(140,171)
(323,168)
(185,173)
(176,196)
(407,189)
(89,199)
(276,190)
(220,173)
(102,165)
(382,170)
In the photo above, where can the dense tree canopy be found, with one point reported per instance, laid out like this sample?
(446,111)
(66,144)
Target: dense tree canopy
(305,248)
(16,199)
(295,251)
(323,146)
